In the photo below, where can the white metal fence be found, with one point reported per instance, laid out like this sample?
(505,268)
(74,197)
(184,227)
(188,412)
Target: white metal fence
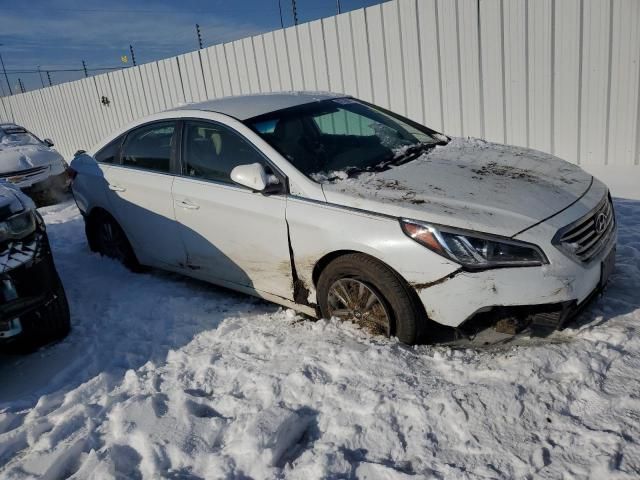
(562,76)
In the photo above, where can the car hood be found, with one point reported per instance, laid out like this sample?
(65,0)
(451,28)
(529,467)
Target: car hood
(24,157)
(469,184)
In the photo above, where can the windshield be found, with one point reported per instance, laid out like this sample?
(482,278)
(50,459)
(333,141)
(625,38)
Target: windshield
(340,137)
(18,137)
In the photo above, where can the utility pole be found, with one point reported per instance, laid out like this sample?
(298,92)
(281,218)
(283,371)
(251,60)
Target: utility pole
(338,5)
(280,9)
(84,67)
(49,78)
(133,57)
(20,85)
(199,36)
(6,77)
(295,12)
(40,74)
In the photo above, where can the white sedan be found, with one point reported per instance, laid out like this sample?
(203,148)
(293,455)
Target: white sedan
(339,208)
(31,164)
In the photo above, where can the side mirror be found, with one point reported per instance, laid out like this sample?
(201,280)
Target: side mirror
(253,176)
(48,142)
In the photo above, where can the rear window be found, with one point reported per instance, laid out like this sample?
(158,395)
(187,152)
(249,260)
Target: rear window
(149,147)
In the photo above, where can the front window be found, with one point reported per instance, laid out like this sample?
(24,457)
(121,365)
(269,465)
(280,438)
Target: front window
(18,136)
(211,151)
(342,137)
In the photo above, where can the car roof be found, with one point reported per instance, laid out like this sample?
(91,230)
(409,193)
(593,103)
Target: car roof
(244,107)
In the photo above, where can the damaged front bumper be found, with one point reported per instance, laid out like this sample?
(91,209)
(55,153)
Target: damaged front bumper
(27,281)
(511,301)
(58,183)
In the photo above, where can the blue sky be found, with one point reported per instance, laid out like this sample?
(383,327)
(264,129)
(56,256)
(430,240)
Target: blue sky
(60,34)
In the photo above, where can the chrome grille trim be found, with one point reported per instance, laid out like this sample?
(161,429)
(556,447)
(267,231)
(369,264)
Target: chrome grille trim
(581,240)
(27,173)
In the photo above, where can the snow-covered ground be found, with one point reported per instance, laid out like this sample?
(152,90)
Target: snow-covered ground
(167,377)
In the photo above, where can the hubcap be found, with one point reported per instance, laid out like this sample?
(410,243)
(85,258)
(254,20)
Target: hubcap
(350,299)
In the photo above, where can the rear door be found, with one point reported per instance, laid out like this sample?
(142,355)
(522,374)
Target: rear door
(230,233)
(139,189)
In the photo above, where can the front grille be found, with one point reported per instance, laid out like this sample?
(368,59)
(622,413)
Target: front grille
(587,237)
(29,172)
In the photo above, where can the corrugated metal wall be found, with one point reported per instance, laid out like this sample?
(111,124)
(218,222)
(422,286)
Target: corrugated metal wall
(562,76)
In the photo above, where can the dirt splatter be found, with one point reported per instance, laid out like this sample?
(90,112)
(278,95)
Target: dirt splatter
(493,168)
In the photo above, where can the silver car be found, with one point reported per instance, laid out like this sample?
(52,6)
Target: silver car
(31,164)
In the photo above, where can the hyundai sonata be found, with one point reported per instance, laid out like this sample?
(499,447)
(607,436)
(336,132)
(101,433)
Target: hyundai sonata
(338,208)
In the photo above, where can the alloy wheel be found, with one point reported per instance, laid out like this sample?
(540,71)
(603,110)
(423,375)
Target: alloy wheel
(351,299)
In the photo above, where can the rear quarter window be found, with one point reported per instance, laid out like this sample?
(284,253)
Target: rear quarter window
(109,153)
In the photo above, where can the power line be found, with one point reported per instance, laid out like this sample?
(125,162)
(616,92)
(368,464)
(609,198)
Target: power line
(66,69)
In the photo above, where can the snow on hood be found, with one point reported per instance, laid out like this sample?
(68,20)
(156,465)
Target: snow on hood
(468,183)
(15,157)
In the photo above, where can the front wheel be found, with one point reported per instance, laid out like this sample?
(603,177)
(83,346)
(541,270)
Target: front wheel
(359,288)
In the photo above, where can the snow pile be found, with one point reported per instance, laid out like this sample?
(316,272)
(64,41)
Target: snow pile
(164,377)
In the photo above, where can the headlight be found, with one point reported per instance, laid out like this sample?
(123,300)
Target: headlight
(474,250)
(18,226)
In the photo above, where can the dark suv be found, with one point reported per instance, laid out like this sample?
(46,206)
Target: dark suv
(33,305)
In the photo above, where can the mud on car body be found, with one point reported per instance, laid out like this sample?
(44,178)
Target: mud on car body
(339,208)
(33,305)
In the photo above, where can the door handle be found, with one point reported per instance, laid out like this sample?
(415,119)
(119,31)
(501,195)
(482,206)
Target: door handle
(116,188)
(188,205)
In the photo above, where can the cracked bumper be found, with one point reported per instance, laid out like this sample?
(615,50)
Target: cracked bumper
(459,298)
(58,182)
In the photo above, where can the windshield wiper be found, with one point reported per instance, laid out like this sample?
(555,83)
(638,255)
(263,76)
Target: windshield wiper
(406,155)
(410,153)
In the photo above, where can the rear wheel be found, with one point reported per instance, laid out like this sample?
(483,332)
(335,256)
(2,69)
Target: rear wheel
(107,238)
(359,288)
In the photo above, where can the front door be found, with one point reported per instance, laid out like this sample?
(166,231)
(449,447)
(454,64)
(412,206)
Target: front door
(139,189)
(230,233)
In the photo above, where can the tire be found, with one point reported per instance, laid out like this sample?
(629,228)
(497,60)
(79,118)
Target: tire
(106,237)
(406,319)
(48,324)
